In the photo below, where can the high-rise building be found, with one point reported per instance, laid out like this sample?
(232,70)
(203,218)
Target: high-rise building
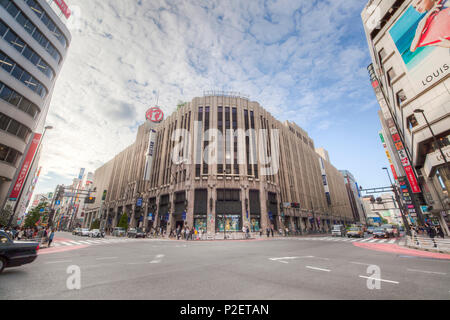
(34,41)
(409,46)
(354,196)
(219,163)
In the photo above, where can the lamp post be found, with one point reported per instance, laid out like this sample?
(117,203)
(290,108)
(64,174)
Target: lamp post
(432,133)
(29,171)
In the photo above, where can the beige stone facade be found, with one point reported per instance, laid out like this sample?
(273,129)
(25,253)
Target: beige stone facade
(193,189)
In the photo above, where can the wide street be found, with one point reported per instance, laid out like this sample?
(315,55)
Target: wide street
(279,268)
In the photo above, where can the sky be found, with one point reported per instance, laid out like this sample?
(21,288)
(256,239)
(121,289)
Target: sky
(304,61)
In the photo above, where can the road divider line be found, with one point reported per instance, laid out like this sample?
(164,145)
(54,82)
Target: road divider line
(378,279)
(318,269)
(424,271)
(106,258)
(54,262)
(360,263)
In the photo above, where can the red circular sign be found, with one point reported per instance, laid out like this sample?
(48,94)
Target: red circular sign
(154,114)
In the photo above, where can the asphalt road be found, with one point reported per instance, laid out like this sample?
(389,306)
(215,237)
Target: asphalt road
(258,269)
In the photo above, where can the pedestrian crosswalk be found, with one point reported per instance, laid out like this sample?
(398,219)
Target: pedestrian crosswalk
(351,240)
(71,243)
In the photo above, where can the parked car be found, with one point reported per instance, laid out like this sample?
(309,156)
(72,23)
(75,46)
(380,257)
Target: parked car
(15,254)
(96,233)
(355,232)
(136,233)
(338,230)
(84,232)
(119,232)
(380,233)
(76,231)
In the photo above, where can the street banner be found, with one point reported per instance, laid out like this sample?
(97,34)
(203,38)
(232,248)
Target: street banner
(150,155)
(26,166)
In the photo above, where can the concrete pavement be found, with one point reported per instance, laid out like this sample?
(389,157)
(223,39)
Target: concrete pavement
(270,269)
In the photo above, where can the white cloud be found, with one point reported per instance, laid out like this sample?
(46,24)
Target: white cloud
(282,53)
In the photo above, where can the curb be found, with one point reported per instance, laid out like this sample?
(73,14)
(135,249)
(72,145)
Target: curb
(429,250)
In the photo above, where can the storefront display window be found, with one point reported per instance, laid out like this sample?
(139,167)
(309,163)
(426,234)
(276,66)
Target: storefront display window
(232,223)
(200,224)
(255,224)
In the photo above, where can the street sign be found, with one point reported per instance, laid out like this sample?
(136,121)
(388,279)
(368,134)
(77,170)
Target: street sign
(57,202)
(139,202)
(42,210)
(270,215)
(184,216)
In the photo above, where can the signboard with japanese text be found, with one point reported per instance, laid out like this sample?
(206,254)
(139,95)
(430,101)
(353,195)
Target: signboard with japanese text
(26,166)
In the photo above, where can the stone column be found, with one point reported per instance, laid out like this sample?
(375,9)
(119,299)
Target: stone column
(145,213)
(265,221)
(211,216)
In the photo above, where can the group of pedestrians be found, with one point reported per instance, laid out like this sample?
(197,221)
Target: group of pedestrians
(46,235)
(430,230)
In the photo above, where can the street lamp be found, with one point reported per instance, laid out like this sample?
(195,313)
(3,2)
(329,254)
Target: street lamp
(432,133)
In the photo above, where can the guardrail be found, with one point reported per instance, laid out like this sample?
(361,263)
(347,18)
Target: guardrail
(427,243)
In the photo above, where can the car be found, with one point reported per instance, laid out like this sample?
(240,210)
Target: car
(370,230)
(136,233)
(84,232)
(380,233)
(76,231)
(355,232)
(119,232)
(16,253)
(96,233)
(391,231)
(338,230)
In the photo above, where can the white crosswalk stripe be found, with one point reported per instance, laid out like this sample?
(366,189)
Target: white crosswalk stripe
(74,242)
(392,241)
(382,240)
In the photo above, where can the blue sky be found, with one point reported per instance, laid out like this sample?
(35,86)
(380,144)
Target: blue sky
(304,61)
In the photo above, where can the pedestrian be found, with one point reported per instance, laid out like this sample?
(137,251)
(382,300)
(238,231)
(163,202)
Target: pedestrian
(178,232)
(247,230)
(50,238)
(244,230)
(188,233)
(440,232)
(432,232)
(287,231)
(268,232)
(271,231)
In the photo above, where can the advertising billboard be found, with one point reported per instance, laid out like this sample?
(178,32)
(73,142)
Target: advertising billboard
(26,166)
(422,37)
(150,155)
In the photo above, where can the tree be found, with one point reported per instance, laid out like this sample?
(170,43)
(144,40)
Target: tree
(180,104)
(123,222)
(34,215)
(95,224)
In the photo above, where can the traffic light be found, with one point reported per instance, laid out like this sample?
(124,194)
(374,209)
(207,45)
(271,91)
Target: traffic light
(89,200)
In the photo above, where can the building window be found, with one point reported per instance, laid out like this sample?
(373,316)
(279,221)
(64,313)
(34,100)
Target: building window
(8,154)
(9,95)
(411,122)
(37,9)
(16,42)
(400,97)
(382,54)
(30,28)
(28,80)
(12,126)
(391,75)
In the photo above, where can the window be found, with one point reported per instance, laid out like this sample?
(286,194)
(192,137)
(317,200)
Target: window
(8,154)
(391,75)
(382,54)
(400,97)
(31,29)
(11,96)
(411,122)
(21,75)
(16,42)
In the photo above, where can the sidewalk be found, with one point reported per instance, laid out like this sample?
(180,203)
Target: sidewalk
(425,243)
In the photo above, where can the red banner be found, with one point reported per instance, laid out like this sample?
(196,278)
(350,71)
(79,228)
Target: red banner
(64,8)
(412,179)
(25,167)
(394,173)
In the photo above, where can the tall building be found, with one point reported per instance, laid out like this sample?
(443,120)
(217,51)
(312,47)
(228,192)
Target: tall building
(410,75)
(354,196)
(267,175)
(33,45)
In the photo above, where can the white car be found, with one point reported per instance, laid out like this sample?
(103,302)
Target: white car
(95,233)
(84,232)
